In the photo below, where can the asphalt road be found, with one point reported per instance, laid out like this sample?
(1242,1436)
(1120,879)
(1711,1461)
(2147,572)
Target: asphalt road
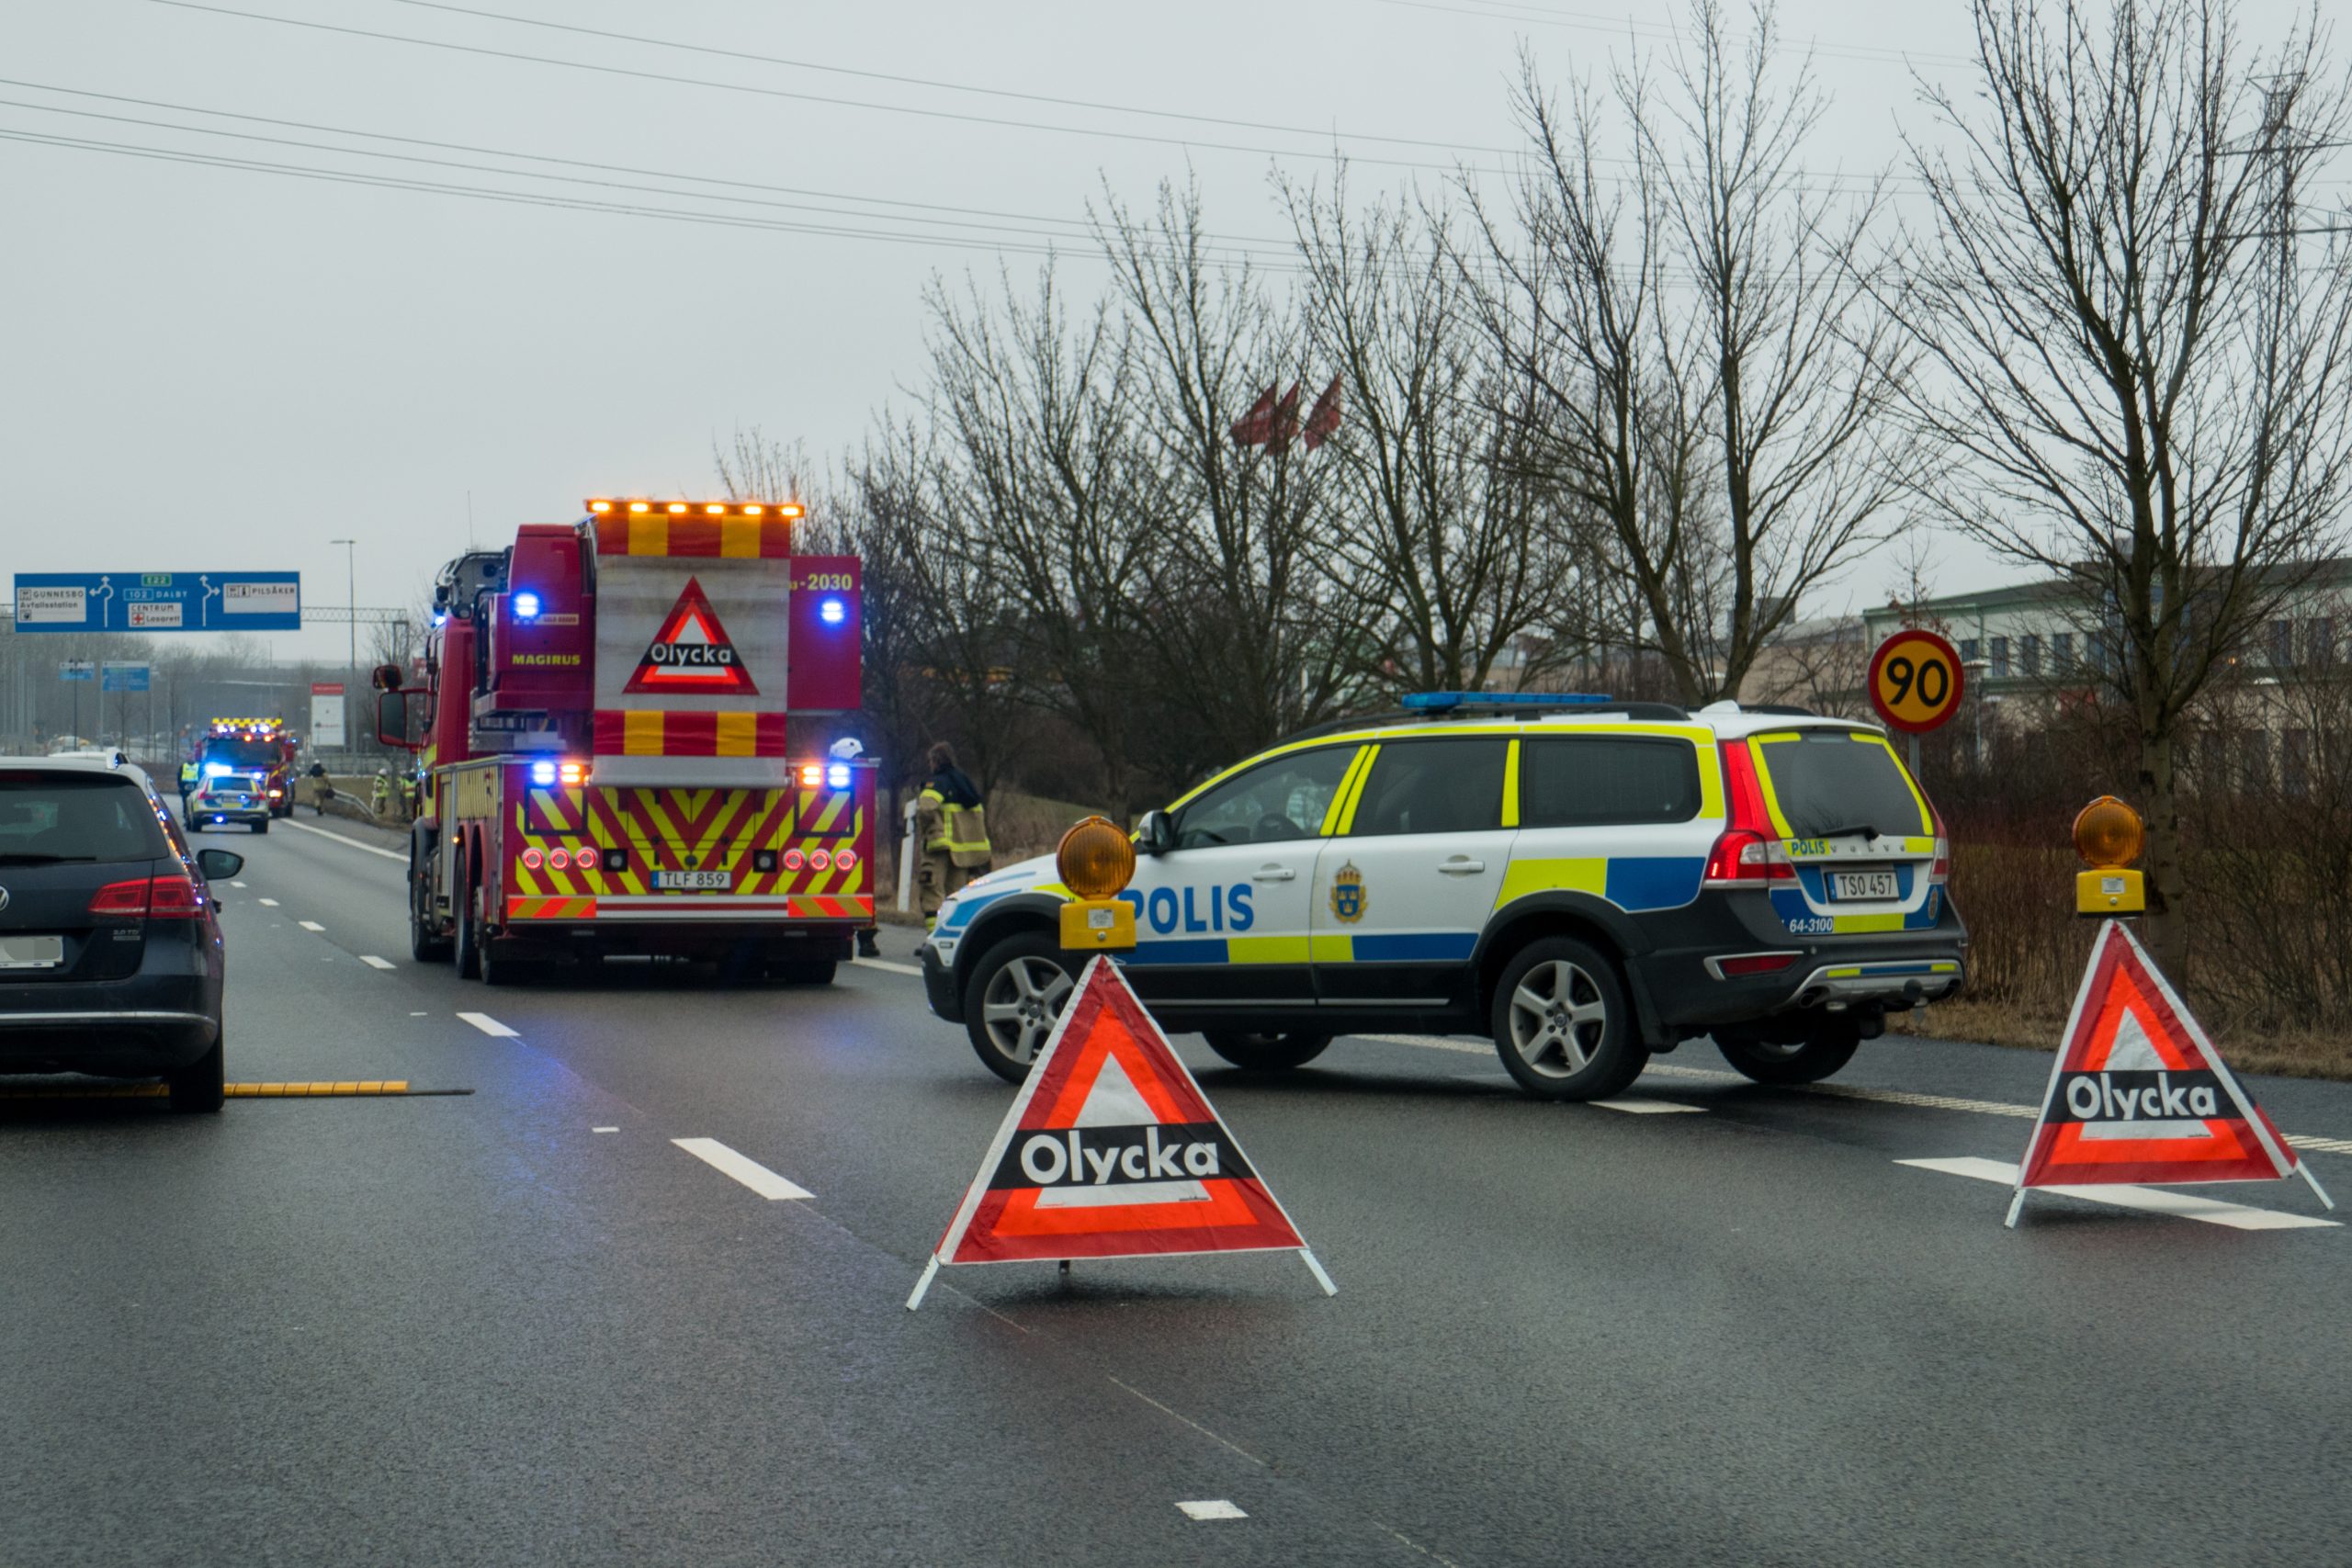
(479,1329)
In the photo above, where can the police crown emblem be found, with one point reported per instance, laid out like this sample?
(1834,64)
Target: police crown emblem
(1347,897)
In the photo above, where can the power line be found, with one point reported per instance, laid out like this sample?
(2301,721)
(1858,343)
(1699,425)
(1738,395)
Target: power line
(953,86)
(1090,131)
(1594,21)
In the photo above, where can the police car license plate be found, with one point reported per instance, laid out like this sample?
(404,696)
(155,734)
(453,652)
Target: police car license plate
(695,881)
(1861,884)
(31,952)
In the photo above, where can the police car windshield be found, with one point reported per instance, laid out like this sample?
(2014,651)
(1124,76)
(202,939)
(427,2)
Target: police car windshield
(1828,781)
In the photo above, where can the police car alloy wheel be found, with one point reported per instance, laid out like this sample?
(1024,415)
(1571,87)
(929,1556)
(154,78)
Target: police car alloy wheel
(1266,1053)
(1562,1024)
(1017,991)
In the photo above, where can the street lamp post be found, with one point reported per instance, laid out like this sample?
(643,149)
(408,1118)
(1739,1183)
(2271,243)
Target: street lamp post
(350,600)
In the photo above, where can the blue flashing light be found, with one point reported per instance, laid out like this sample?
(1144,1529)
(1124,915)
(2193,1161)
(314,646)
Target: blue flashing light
(837,776)
(526,606)
(1438,702)
(215,770)
(832,610)
(543,773)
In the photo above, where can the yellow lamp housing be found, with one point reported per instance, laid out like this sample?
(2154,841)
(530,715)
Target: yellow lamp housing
(1096,861)
(2108,835)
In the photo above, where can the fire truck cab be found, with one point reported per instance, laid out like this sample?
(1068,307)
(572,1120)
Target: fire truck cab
(610,709)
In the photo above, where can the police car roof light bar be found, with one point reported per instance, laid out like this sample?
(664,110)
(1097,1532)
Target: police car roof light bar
(1442,699)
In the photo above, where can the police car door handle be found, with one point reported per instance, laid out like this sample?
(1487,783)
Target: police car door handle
(1462,865)
(1273,874)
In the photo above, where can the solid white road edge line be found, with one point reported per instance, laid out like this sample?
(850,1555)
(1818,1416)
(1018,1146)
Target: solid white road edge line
(750,1172)
(373,962)
(2148,1199)
(488,1025)
(1648,1107)
(891,964)
(1211,1508)
(338,838)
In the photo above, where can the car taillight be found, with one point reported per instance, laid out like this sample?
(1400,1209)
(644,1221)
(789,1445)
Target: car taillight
(120,898)
(1743,854)
(173,898)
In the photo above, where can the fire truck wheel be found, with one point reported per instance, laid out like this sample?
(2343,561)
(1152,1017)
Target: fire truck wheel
(469,927)
(1016,992)
(803,972)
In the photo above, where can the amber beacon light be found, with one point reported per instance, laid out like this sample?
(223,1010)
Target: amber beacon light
(2107,835)
(1095,861)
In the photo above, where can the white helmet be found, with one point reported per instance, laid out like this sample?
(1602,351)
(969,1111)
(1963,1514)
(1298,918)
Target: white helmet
(848,749)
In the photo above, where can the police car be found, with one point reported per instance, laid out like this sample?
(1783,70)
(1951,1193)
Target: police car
(1587,882)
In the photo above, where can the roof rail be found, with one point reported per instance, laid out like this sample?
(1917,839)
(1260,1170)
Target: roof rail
(1576,705)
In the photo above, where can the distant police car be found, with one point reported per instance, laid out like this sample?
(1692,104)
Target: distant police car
(1585,881)
(221,799)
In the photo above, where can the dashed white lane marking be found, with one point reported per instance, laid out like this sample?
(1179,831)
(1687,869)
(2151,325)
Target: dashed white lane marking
(1210,1508)
(750,1172)
(338,838)
(266,903)
(488,1025)
(311,925)
(891,964)
(1648,1107)
(236,884)
(603,1129)
(1432,1043)
(2148,1199)
(373,962)
(416,1015)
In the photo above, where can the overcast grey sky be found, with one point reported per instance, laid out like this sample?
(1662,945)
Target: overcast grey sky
(212,367)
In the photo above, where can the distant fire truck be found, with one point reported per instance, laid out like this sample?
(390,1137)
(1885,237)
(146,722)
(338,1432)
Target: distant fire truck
(251,746)
(606,761)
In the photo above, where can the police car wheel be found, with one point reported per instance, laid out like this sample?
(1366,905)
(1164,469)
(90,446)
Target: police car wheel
(1017,991)
(1562,1023)
(1266,1053)
(1808,1061)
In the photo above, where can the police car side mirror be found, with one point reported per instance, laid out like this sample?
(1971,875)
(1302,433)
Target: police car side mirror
(1156,835)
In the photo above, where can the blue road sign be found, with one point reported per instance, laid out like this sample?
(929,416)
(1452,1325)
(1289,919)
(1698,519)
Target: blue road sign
(159,601)
(122,675)
(77,669)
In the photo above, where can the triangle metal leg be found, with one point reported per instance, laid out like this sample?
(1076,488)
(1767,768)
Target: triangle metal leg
(1320,1278)
(929,1269)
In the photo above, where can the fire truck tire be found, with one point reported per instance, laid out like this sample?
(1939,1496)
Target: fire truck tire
(803,972)
(468,945)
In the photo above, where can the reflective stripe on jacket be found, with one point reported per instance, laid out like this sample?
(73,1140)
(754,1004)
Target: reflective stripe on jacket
(960,832)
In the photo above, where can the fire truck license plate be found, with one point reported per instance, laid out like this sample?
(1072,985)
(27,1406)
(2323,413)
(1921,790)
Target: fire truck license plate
(695,880)
(1863,884)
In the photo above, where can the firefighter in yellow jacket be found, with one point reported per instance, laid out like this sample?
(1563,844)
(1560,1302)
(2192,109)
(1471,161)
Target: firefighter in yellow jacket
(952,827)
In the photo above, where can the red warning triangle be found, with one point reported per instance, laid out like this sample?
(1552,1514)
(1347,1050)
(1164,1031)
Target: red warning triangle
(692,653)
(2138,1093)
(1111,1150)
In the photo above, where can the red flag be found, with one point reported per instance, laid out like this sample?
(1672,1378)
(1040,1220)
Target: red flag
(1253,427)
(1284,424)
(1324,419)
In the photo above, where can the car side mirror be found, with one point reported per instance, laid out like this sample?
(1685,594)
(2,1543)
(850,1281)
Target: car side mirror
(218,866)
(1156,834)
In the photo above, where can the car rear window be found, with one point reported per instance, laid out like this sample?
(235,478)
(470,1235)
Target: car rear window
(65,817)
(1826,780)
(1606,781)
(1433,786)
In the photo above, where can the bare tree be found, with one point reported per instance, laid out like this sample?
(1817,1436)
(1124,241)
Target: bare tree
(2137,342)
(1436,515)
(1710,361)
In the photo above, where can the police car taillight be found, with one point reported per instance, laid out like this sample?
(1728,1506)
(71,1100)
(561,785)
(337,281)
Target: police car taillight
(1743,854)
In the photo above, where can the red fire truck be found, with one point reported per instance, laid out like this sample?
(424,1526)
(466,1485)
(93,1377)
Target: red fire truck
(251,746)
(608,720)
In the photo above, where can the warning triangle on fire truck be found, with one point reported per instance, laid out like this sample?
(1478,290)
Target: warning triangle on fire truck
(2139,1094)
(1111,1150)
(692,653)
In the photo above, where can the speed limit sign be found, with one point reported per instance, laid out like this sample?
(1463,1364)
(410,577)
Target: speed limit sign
(1916,681)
